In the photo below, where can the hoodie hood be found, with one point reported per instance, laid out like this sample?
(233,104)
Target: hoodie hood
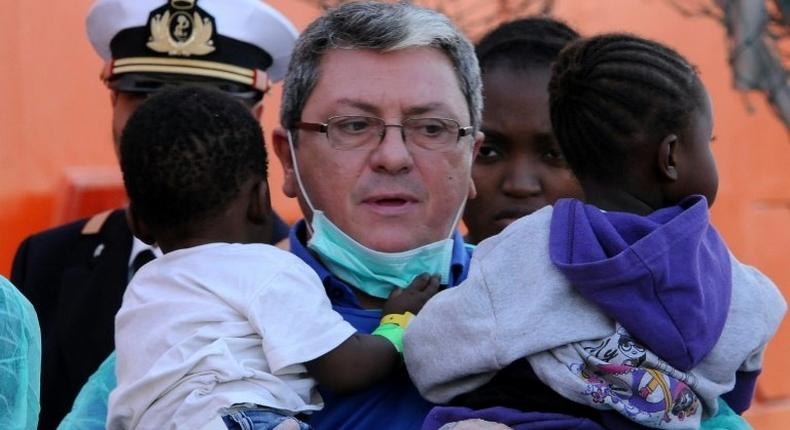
(665,277)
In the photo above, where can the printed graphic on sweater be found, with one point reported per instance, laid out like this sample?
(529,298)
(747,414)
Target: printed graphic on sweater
(619,373)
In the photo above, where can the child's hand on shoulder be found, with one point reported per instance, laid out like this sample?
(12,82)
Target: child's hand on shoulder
(412,298)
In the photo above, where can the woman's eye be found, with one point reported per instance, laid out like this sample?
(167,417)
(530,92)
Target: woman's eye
(553,154)
(488,153)
(554,157)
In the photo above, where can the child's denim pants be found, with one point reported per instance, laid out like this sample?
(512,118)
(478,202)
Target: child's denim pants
(254,417)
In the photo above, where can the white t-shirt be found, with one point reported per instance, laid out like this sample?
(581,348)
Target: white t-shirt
(205,327)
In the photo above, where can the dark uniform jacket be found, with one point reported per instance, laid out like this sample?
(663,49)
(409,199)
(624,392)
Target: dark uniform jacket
(75,276)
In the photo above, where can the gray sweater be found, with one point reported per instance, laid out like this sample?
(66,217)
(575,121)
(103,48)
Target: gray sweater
(516,303)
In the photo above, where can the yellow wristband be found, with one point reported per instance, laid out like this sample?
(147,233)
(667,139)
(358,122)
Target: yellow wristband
(400,320)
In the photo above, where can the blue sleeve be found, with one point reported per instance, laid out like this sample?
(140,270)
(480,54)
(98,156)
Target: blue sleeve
(725,419)
(90,407)
(20,360)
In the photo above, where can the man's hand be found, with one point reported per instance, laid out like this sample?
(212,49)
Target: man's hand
(413,297)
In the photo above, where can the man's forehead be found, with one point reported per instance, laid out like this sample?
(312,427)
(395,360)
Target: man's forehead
(425,53)
(415,109)
(419,80)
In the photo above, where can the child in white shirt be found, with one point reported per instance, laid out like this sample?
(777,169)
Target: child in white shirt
(223,329)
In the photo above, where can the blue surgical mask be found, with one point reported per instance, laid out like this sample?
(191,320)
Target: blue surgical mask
(374,272)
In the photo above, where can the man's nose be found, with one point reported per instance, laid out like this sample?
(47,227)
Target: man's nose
(392,154)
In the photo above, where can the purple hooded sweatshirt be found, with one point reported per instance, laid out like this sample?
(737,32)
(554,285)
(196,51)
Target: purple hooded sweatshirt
(571,274)
(665,277)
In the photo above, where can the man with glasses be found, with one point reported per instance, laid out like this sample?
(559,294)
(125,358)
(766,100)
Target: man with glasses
(380,116)
(347,132)
(75,275)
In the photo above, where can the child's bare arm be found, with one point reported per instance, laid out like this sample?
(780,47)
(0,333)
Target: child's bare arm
(362,359)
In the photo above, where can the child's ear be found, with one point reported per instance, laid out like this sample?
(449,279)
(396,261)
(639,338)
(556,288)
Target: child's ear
(138,227)
(257,110)
(668,157)
(259,210)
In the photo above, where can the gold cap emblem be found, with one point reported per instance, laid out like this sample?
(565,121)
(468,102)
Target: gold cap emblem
(181,30)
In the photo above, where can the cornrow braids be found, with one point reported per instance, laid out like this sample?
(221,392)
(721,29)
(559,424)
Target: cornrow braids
(524,43)
(185,153)
(612,94)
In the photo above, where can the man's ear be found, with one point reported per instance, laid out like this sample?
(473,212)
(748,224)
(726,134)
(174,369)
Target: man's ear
(283,152)
(668,157)
(479,138)
(259,210)
(113,97)
(138,227)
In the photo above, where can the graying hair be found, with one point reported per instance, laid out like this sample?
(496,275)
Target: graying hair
(384,27)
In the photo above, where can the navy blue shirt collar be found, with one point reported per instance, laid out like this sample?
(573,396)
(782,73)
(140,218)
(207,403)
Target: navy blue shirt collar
(341,293)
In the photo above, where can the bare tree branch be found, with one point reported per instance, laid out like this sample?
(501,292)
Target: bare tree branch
(758,35)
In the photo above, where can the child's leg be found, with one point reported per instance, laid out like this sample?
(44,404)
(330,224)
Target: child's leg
(252,417)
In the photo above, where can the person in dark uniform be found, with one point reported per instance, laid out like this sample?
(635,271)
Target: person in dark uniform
(75,275)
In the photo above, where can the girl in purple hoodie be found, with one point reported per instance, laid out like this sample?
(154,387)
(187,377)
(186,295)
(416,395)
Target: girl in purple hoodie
(628,310)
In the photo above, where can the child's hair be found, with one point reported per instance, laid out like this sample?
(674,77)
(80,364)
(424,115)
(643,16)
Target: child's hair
(609,95)
(185,153)
(524,44)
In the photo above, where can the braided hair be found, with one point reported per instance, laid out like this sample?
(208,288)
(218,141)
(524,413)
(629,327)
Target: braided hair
(614,96)
(185,153)
(524,44)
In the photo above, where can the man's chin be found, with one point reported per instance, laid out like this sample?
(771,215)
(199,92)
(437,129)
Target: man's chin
(395,241)
(394,233)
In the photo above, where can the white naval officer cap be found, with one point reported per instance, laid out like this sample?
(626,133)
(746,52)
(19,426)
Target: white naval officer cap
(239,46)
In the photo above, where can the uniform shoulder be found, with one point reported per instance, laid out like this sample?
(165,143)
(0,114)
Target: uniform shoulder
(85,226)
(70,239)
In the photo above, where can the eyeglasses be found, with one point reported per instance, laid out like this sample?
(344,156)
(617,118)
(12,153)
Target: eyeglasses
(354,132)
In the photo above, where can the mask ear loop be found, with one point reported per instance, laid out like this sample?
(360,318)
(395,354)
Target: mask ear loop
(299,180)
(458,216)
(460,212)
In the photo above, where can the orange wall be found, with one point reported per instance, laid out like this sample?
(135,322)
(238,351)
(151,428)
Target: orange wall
(50,100)
(55,115)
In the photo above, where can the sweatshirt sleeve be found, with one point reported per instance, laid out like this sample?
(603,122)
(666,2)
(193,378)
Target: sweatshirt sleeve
(758,308)
(450,346)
